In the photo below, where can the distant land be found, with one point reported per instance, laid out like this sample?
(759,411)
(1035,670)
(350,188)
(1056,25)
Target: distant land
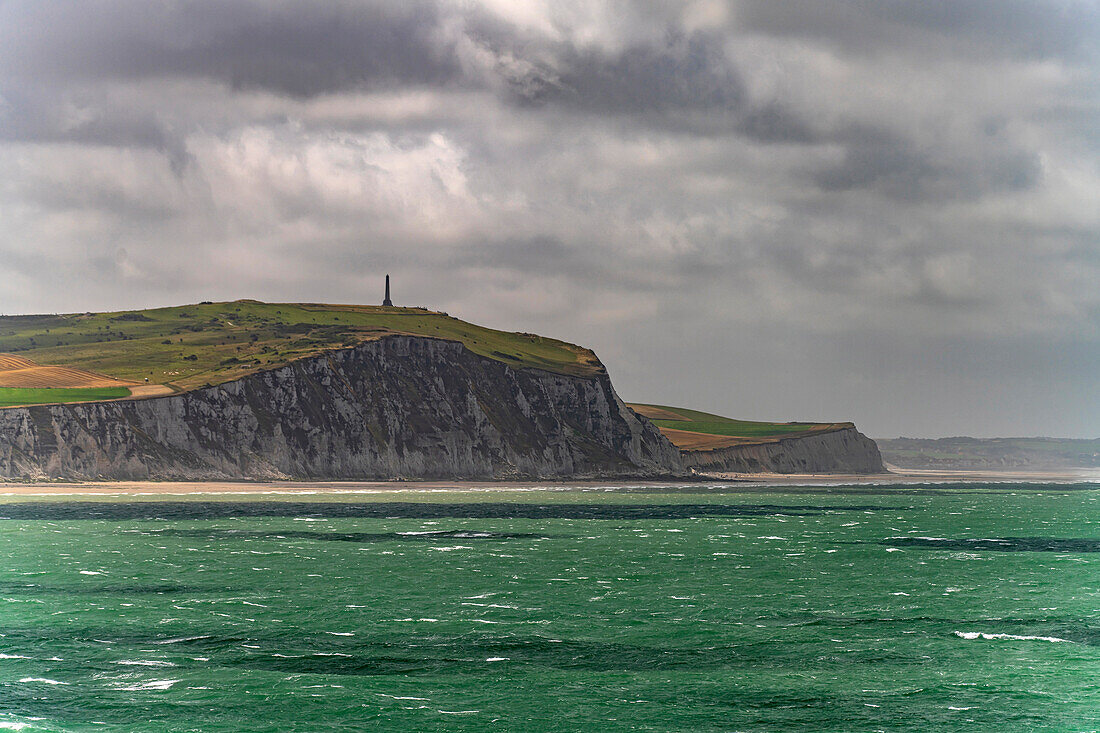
(715,444)
(963,453)
(307,391)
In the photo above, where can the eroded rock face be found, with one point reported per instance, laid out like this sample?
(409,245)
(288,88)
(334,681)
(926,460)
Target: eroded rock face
(845,450)
(400,407)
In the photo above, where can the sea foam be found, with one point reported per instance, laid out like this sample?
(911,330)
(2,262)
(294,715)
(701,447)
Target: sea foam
(1013,637)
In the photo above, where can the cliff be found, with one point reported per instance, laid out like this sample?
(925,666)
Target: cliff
(397,407)
(841,450)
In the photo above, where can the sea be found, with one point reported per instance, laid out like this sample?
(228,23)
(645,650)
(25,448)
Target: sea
(703,607)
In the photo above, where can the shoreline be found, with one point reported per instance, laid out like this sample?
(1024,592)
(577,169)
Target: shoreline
(702,481)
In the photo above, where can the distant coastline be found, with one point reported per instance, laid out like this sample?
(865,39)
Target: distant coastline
(991,454)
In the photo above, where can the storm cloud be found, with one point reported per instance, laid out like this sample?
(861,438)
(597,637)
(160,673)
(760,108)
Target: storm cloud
(840,209)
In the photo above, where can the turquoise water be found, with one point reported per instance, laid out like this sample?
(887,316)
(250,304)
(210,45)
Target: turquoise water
(900,608)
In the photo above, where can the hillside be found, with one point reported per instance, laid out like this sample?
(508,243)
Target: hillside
(144,353)
(715,444)
(990,453)
(695,430)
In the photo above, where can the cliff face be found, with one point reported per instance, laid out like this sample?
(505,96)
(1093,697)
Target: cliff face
(402,406)
(845,450)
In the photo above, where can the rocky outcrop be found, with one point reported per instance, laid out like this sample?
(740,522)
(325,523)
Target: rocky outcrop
(843,450)
(398,407)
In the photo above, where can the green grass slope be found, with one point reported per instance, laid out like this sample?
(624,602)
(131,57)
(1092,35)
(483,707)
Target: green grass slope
(704,422)
(210,343)
(13,396)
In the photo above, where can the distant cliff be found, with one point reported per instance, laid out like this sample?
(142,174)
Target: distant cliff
(997,454)
(841,450)
(397,407)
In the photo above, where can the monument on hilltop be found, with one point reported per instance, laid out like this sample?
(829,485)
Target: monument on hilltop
(387,301)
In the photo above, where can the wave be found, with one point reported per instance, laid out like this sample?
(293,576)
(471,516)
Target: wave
(1013,637)
(179,639)
(20,725)
(151,685)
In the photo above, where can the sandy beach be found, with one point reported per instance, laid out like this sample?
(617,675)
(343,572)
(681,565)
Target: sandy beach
(183,488)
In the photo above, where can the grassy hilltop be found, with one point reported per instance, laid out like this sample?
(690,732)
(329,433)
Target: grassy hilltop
(694,430)
(77,357)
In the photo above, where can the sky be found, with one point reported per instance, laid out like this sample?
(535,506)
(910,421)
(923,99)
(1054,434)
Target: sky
(882,211)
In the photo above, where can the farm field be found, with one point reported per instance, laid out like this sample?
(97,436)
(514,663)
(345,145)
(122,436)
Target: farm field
(12,396)
(695,430)
(186,347)
(19,372)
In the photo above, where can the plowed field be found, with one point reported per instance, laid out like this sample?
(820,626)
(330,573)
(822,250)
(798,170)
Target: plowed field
(15,371)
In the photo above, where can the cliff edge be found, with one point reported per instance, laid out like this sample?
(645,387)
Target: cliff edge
(840,450)
(395,407)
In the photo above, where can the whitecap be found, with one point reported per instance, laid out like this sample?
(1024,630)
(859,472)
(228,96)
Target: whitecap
(12,656)
(497,659)
(43,680)
(151,685)
(144,663)
(341,633)
(1012,637)
(182,638)
(90,572)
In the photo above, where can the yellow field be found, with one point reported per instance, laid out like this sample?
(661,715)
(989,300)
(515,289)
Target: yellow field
(15,371)
(687,440)
(656,413)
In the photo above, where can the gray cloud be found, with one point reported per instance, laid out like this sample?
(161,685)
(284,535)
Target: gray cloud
(1020,28)
(894,199)
(285,47)
(895,168)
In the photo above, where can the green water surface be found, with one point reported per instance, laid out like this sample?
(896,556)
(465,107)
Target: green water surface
(899,608)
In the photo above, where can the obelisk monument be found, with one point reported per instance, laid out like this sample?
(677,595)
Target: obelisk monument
(387,301)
